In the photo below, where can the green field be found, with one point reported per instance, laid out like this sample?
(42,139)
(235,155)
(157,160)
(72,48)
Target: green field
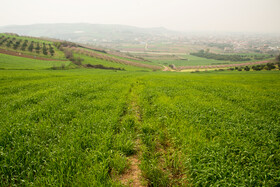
(191,61)
(197,61)
(14,62)
(82,127)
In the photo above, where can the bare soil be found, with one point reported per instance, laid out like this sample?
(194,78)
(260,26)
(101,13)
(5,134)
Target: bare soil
(166,68)
(133,175)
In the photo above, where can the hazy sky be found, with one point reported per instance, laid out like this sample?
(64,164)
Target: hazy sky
(188,15)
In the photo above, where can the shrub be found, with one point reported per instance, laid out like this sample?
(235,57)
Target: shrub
(77,60)
(68,53)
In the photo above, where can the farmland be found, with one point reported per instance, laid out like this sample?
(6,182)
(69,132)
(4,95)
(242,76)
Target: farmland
(77,115)
(181,60)
(88,127)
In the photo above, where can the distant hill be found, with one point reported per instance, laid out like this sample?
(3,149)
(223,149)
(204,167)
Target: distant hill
(87,33)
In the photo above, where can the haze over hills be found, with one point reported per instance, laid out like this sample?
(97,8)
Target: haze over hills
(84,32)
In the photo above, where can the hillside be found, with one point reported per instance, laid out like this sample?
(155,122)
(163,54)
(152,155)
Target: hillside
(57,50)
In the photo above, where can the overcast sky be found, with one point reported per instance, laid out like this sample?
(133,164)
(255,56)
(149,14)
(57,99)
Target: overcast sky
(184,15)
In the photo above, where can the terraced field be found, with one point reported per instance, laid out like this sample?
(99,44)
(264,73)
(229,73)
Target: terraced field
(87,127)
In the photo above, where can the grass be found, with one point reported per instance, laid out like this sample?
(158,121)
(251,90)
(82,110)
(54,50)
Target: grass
(224,126)
(14,62)
(79,127)
(197,61)
(120,57)
(191,61)
(95,61)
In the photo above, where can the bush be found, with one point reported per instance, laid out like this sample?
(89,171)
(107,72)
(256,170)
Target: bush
(68,53)
(270,66)
(77,60)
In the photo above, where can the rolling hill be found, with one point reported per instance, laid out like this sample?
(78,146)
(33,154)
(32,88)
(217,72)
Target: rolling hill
(21,52)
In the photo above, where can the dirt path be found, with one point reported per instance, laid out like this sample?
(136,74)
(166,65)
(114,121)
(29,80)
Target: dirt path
(133,176)
(14,53)
(166,68)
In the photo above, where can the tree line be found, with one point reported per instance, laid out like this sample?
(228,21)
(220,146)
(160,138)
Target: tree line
(233,58)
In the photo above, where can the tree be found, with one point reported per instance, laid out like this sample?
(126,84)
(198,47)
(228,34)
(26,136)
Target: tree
(57,45)
(16,45)
(247,68)
(38,48)
(278,58)
(30,47)
(51,49)
(45,52)
(24,45)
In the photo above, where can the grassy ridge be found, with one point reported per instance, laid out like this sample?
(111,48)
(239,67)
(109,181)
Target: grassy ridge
(75,127)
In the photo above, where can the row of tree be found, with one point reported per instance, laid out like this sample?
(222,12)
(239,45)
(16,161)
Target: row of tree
(259,67)
(12,42)
(208,55)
